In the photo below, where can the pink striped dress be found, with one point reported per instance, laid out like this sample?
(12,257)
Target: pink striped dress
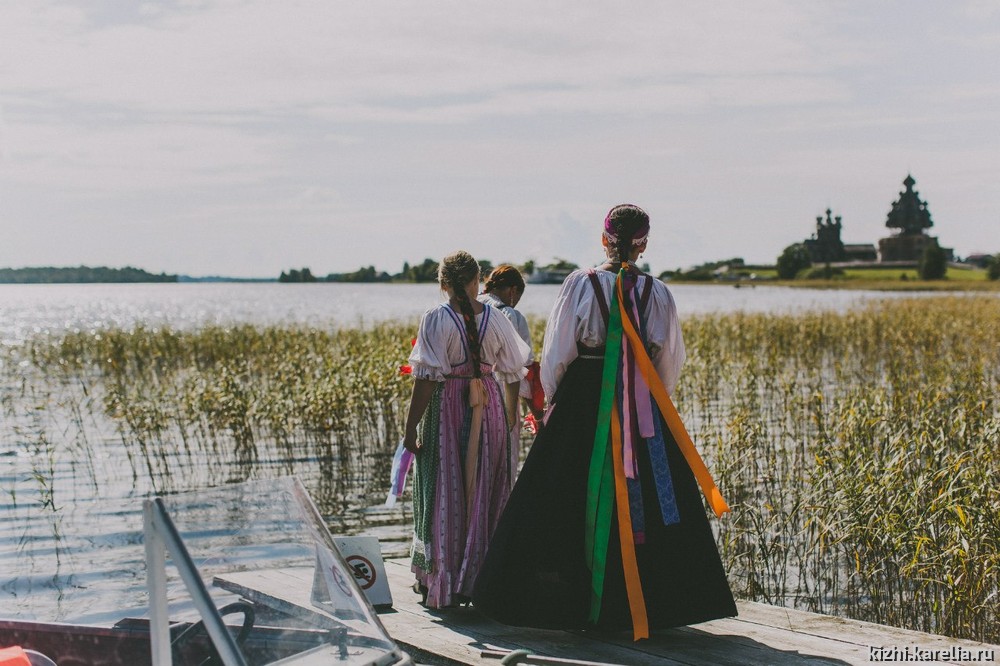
(449,546)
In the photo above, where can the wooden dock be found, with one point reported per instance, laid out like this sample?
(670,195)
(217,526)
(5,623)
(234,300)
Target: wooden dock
(762,634)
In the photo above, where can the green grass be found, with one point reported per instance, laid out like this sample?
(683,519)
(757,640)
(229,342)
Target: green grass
(881,279)
(888,274)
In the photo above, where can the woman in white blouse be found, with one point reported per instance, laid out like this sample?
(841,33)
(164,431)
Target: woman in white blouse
(457,426)
(503,289)
(539,571)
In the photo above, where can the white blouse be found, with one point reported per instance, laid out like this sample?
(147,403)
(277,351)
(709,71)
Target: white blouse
(441,344)
(515,317)
(576,317)
(521,326)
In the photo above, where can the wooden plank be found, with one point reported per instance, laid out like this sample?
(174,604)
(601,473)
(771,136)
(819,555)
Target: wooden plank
(285,590)
(691,648)
(761,634)
(856,631)
(736,640)
(460,634)
(530,659)
(732,642)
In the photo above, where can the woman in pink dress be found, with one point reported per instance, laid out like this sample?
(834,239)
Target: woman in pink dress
(467,366)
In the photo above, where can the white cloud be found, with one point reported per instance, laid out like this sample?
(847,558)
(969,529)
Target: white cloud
(254,57)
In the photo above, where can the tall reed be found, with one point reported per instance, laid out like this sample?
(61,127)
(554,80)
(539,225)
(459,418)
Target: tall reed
(224,404)
(859,452)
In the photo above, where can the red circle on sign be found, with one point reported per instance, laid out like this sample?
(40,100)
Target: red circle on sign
(364,572)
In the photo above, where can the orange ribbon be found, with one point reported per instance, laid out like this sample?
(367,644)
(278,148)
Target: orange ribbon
(633,585)
(670,414)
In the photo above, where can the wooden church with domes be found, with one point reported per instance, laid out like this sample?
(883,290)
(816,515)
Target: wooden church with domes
(911,218)
(908,216)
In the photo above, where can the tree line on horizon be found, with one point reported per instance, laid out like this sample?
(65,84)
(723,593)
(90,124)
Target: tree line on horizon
(794,262)
(426,271)
(80,275)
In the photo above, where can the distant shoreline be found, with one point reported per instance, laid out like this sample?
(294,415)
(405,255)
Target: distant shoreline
(105,275)
(80,275)
(860,282)
(854,284)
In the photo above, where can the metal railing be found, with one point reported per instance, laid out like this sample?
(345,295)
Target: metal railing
(161,537)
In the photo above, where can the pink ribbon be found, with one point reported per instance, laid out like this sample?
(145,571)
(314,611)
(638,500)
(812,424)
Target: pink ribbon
(628,398)
(643,407)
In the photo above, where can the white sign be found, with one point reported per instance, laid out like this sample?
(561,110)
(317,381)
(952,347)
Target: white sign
(364,556)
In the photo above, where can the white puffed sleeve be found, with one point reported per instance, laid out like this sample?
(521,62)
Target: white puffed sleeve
(429,358)
(515,318)
(576,317)
(663,327)
(503,347)
(559,343)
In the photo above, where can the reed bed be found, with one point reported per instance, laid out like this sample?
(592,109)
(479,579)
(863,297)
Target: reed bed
(224,404)
(859,451)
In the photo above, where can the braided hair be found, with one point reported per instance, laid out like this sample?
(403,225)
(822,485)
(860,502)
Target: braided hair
(504,276)
(625,220)
(456,271)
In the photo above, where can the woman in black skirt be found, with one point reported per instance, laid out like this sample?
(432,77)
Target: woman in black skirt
(605,526)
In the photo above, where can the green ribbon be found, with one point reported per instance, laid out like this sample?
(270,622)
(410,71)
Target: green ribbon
(600,481)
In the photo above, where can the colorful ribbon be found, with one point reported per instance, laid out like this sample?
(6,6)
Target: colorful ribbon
(612,480)
(401,463)
(534,379)
(673,419)
(633,585)
(600,480)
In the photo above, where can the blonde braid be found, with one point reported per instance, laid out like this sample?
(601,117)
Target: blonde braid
(456,271)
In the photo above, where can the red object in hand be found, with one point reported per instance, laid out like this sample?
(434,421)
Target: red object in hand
(531,423)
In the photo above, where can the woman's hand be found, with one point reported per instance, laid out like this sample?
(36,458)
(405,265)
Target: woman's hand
(423,389)
(410,442)
(539,419)
(510,402)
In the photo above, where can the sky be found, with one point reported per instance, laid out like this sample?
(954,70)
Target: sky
(243,138)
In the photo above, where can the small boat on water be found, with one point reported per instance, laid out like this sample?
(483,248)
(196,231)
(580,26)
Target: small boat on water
(549,275)
(217,566)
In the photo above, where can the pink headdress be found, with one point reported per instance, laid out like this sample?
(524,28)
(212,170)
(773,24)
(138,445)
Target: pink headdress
(638,238)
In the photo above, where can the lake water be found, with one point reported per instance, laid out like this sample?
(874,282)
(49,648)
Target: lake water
(26,310)
(70,491)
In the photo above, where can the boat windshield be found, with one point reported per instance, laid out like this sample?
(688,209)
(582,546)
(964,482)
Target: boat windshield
(243,574)
(299,604)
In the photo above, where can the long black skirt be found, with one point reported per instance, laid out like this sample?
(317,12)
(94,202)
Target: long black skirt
(535,574)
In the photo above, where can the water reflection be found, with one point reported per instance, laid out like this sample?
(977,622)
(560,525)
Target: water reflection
(31,309)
